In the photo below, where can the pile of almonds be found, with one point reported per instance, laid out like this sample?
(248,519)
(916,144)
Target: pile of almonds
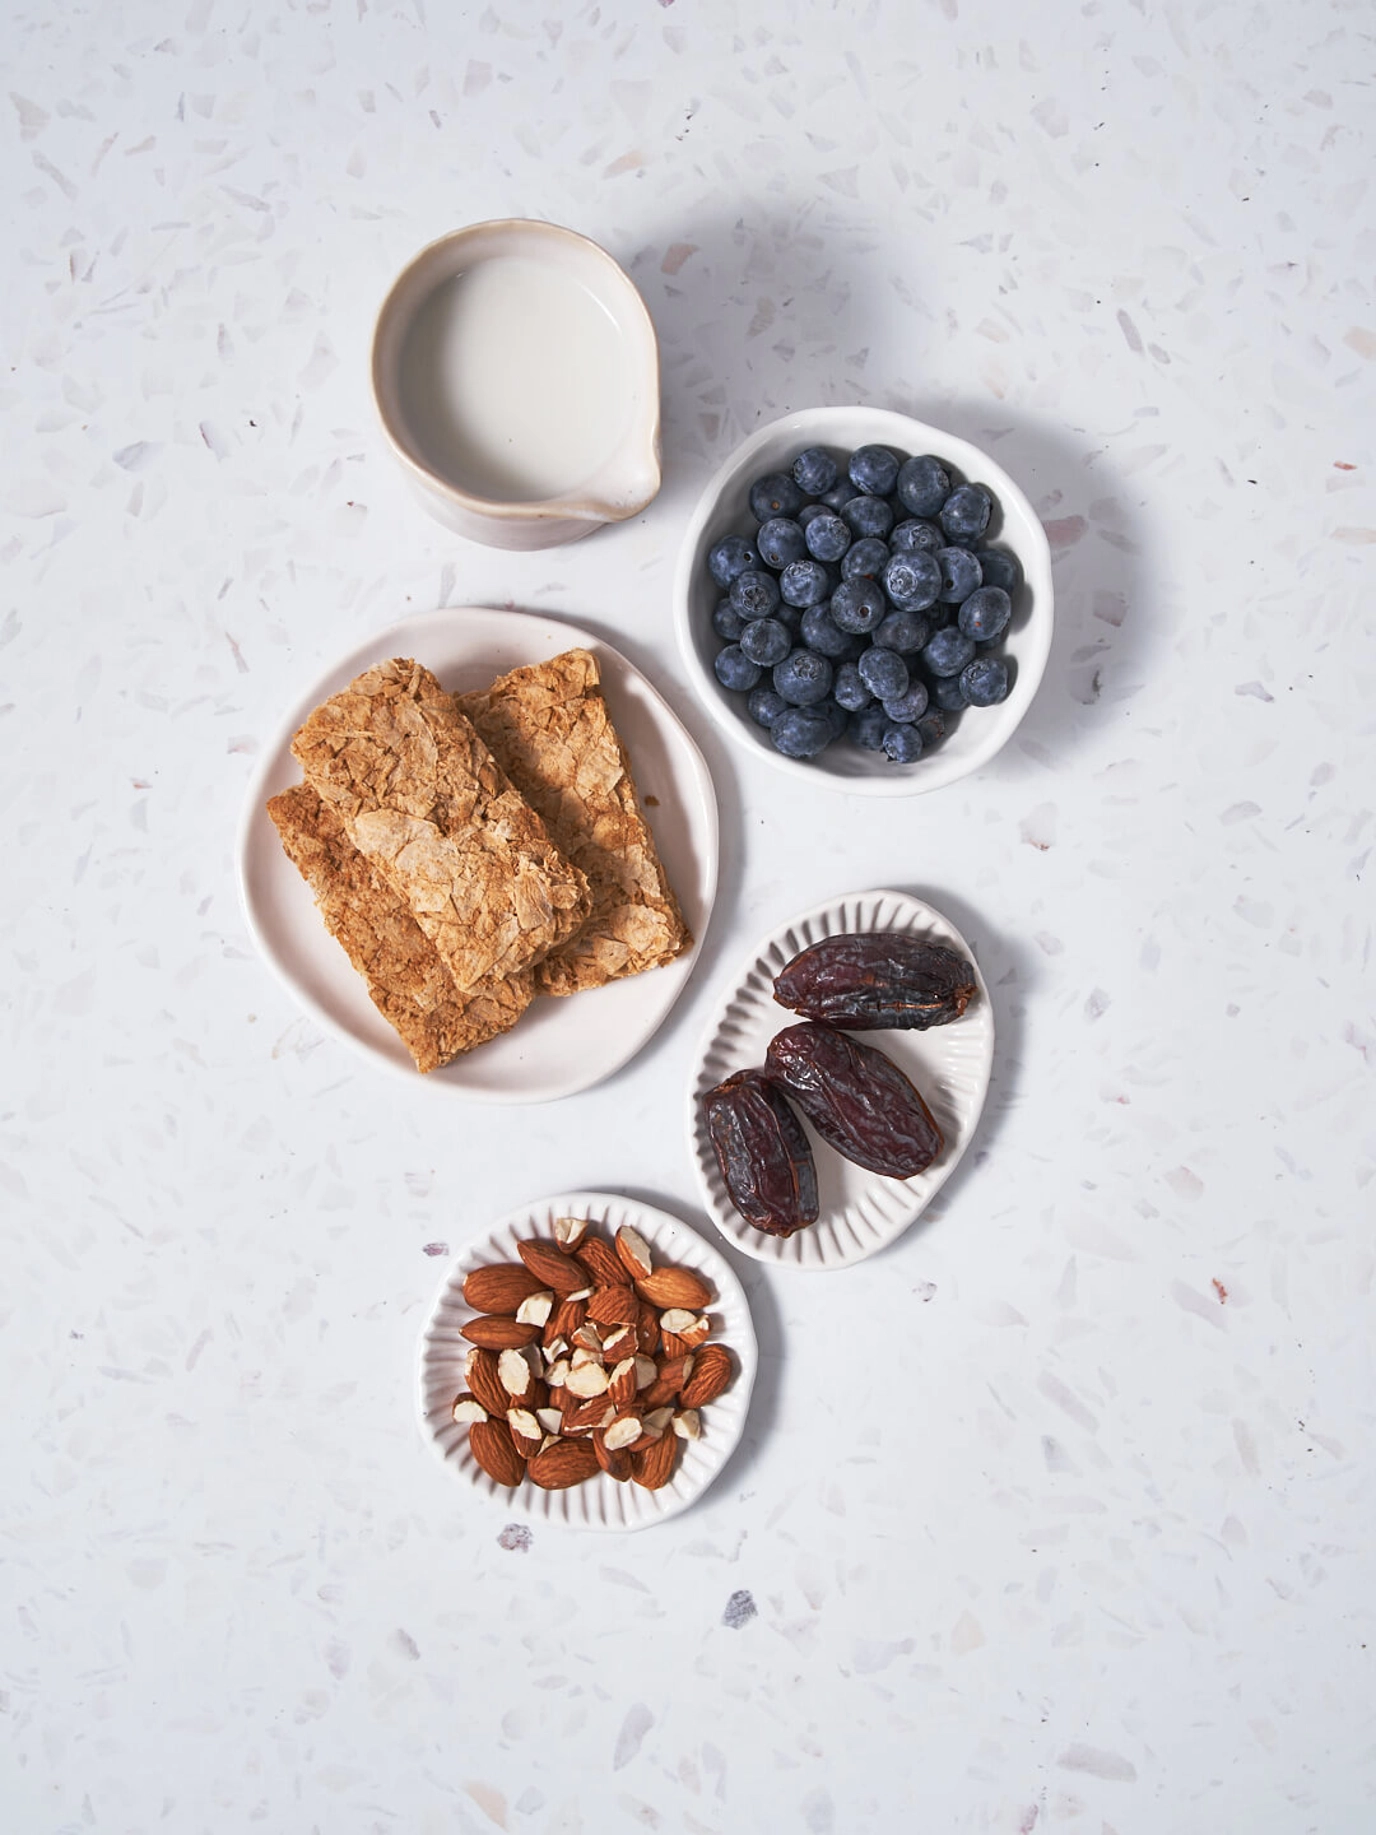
(587,1358)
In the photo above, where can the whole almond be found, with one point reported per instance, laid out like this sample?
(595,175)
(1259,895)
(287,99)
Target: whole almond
(602,1262)
(674,1287)
(500,1287)
(485,1383)
(712,1373)
(634,1251)
(615,1462)
(494,1333)
(567,1462)
(614,1306)
(564,1273)
(569,1232)
(653,1467)
(491,1444)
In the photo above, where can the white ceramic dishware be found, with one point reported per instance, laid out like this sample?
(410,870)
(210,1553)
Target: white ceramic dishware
(724,509)
(516,373)
(559,1045)
(860,1212)
(600,1503)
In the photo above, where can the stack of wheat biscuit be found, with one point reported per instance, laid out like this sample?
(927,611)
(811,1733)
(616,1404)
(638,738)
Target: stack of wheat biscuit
(471,852)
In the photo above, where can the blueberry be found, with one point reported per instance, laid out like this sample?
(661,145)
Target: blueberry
(774,495)
(765,641)
(913,581)
(873,469)
(960,574)
(859,605)
(814,471)
(947,694)
(804,583)
(902,744)
(780,540)
(931,728)
(732,555)
(923,485)
(965,513)
(985,613)
(905,632)
(834,712)
(827,537)
(754,593)
(916,537)
(802,678)
(727,621)
(849,689)
(884,673)
(868,727)
(735,669)
(819,633)
(764,706)
(865,558)
(838,496)
(904,708)
(985,681)
(1000,568)
(947,652)
(802,732)
(810,512)
(868,515)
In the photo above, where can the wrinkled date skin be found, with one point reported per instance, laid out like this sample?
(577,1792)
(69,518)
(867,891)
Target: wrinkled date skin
(877,979)
(857,1099)
(763,1153)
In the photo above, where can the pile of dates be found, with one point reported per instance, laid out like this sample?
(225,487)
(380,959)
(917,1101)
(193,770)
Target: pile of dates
(855,1097)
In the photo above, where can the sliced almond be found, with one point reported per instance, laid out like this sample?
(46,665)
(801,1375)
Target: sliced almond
(646,1372)
(623,1431)
(526,1431)
(621,1343)
(467,1410)
(674,1319)
(569,1232)
(634,1251)
(585,1380)
(555,1350)
(582,1294)
(550,1419)
(517,1377)
(537,1309)
(588,1337)
(582,1355)
(583,1417)
(687,1424)
(558,1373)
(623,1384)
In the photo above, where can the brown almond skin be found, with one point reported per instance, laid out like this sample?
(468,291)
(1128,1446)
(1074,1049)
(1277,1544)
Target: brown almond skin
(628,1258)
(616,1464)
(495,1451)
(495,1334)
(614,1306)
(647,1329)
(667,1287)
(674,1372)
(566,1463)
(500,1287)
(602,1262)
(546,1260)
(654,1467)
(712,1374)
(486,1384)
(564,1321)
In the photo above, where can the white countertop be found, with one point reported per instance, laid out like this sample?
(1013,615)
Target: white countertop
(1057,1515)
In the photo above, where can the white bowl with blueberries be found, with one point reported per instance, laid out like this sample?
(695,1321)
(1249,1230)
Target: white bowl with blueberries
(865,599)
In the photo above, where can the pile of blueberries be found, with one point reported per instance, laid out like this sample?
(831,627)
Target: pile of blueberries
(866,605)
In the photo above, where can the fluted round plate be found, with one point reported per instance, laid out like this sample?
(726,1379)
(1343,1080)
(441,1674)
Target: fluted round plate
(860,1212)
(600,1503)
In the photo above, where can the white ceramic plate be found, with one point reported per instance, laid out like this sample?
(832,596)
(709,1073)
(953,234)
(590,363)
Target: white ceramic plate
(558,1046)
(860,1212)
(724,508)
(600,1503)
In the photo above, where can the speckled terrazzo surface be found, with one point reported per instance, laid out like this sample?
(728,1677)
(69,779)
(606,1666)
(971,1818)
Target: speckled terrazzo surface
(1058,1515)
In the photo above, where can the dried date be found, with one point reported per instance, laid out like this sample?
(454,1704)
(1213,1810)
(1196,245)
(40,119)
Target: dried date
(877,979)
(763,1153)
(857,1099)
